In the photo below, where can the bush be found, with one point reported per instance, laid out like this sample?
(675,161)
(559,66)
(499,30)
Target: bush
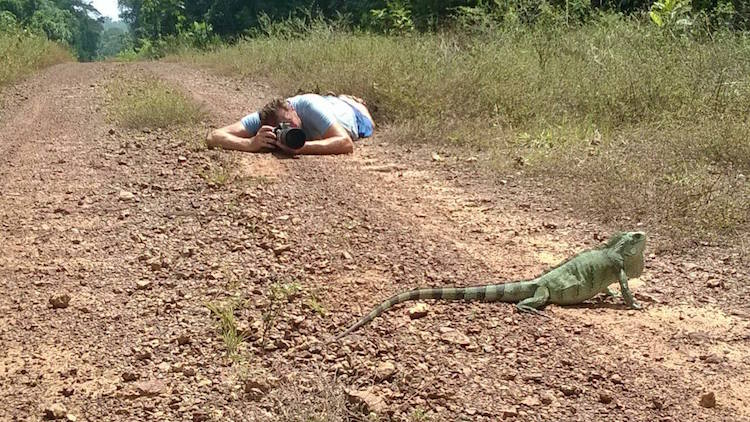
(24,52)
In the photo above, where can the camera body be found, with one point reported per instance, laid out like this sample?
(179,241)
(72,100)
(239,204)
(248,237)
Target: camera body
(292,137)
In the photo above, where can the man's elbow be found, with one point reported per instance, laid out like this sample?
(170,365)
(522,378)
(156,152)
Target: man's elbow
(347,146)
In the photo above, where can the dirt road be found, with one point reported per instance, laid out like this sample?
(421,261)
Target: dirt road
(144,231)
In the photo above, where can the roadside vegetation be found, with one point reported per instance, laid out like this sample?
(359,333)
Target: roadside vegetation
(23,53)
(622,120)
(148,102)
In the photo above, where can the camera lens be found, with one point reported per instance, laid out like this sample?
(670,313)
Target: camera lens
(292,137)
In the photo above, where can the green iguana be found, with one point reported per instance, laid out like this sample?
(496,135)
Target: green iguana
(579,278)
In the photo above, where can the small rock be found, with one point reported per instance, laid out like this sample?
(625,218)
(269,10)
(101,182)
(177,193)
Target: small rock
(547,397)
(61,210)
(71,418)
(150,388)
(509,375)
(59,301)
(570,390)
(347,256)
(142,284)
(532,376)
(712,358)
(708,400)
(385,371)
(531,401)
(712,284)
(258,387)
(605,397)
(188,372)
(183,339)
(143,354)
(55,411)
(436,156)
(419,310)
(126,196)
(130,376)
(182,159)
(164,367)
(455,337)
(616,378)
(509,412)
(155,265)
(200,416)
(370,401)
(279,249)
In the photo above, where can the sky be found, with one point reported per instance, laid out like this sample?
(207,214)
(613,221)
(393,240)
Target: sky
(107,8)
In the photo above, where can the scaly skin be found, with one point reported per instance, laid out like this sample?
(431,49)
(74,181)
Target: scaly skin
(578,279)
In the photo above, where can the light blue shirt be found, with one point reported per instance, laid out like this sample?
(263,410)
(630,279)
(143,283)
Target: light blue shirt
(317,113)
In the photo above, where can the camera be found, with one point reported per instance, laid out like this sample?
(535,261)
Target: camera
(292,137)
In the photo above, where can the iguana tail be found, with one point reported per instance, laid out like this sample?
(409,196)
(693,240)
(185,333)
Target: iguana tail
(503,292)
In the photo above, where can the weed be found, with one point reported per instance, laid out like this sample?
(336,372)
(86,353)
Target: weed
(217,175)
(314,304)
(278,295)
(418,415)
(227,326)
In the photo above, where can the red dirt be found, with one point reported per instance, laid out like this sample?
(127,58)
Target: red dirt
(137,342)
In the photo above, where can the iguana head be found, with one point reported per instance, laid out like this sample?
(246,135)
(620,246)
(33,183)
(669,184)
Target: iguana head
(630,246)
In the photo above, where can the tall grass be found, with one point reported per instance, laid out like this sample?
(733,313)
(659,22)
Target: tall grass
(147,102)
(23,53)
(625,122)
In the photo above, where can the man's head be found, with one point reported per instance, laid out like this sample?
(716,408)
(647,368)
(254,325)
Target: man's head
(279,110)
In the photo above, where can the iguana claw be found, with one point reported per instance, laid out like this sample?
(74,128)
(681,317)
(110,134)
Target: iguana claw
(530,310)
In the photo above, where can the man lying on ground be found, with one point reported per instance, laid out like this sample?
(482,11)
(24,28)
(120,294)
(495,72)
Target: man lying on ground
(330,123)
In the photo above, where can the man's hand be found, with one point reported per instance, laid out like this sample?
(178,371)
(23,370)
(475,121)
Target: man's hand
(283,148)
(265,138)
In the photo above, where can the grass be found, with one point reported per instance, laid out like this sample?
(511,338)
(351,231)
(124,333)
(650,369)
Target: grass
(224,312)
(148,102)
(278,295)
(217,175)
(621,121)
(23,53)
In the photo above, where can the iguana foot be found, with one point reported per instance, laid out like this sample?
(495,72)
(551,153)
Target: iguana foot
(530,310)
(635,305)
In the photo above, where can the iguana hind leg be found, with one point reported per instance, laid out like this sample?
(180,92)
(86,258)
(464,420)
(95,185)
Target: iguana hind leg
(531,305)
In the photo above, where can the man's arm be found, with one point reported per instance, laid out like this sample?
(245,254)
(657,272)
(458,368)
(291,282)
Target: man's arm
(335,140)
(236,137)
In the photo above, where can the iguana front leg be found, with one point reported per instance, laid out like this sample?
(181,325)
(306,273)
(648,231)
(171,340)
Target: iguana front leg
(626,291)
